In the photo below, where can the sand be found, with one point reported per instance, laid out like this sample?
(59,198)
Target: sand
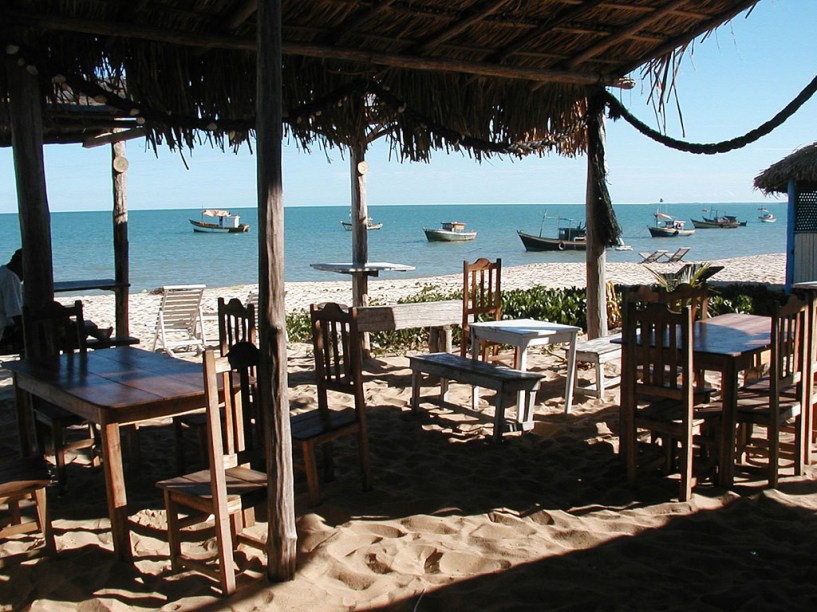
(542,521)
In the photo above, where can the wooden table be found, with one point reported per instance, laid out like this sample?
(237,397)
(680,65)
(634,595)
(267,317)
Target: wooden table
(522,334)
(112,387)
(728,344)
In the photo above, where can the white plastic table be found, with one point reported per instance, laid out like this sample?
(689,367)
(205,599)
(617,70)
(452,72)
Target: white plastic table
(522,334)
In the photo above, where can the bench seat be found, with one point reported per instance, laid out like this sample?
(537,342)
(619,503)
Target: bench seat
(507,382)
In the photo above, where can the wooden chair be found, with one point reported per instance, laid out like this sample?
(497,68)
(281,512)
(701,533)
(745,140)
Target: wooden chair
(657,390)
(228,491)
(56,329)
(22,480)
(180,323)
(236,323)
(774,400)
(695,297)
(338,367)
(481,301)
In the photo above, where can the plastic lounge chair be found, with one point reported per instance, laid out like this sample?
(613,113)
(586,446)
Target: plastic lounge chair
(180,320)
(677,255)
(652,257)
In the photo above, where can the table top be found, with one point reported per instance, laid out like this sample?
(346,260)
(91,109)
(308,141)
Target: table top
(372,268)
(118,378)
(807,285)
(525,328)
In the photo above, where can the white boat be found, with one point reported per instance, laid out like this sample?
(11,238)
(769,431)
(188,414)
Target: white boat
(223,222)
(451,231)
(370,225)
(766,216)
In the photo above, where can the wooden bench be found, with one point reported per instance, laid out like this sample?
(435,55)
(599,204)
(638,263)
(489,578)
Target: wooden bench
(439,316)
(598,352)
(505,381)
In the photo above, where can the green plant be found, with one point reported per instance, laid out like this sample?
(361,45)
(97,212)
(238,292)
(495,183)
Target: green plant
(690,274)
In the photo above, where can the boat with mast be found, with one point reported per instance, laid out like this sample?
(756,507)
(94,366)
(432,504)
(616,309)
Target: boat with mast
(766,216)
(571,235)
(667,226)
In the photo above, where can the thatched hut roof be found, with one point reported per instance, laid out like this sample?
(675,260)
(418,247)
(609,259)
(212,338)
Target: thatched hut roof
(800,166)
(479,75)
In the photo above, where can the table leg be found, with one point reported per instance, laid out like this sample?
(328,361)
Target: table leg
(729,397)
(571,374)
(475,357)
(524,410)
(25,420)
(115,487)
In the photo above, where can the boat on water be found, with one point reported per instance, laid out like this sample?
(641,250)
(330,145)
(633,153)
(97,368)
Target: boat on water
(667,226)
(570,236)
(370,225)
(716,220)
(217,221)
(451,231)
(765,216)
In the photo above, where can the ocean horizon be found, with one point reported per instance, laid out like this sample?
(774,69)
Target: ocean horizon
(164,249)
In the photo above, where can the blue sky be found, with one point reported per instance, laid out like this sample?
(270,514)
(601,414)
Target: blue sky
(735,80)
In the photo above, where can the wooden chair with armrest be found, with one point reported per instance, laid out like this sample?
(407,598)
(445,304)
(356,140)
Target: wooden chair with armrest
(228,491)
(236,323)
(658,393)
(54,329)
(776,401)
(23,480)
(338,368)
(481,301)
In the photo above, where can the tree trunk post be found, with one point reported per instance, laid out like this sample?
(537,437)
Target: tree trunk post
(272,371)
(121,261)
(596,257)
(25,114)
(360,215)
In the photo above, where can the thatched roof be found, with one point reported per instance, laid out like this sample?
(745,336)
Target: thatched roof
(800,166)
(473,74)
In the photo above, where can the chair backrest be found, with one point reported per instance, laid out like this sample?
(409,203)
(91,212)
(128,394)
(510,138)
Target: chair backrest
(481,290)
(790,347)
(697,298)
(226,439)
(677,255)
(657,354)
(54,329)
(338,353)
(180,309)
(652,257)
(236,323)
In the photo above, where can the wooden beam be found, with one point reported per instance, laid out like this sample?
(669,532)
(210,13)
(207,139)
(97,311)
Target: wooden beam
(627,32)
(113,137)
(214,41)
(121,249)
(337,34)
(282,537)
(241,14)
(488,8)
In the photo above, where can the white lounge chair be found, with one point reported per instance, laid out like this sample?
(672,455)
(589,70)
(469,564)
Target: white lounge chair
(180,321)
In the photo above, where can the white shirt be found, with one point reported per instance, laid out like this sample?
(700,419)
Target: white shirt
(11,297)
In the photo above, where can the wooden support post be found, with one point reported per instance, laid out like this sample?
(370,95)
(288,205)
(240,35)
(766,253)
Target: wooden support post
(272,371)
(25,114)
(360,215)
(119,167)
(596,257)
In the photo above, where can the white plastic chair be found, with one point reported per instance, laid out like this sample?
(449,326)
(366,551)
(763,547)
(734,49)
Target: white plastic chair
(180,322)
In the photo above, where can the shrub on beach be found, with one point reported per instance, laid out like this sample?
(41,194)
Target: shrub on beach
(567,306)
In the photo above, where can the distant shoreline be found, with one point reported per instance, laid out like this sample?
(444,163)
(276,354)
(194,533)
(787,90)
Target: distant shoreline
(766,269)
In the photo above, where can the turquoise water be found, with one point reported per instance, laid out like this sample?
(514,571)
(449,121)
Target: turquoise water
(165,250)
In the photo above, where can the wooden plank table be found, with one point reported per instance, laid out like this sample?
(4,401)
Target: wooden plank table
(112,387)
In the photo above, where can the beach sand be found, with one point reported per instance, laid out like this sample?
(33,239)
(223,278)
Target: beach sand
(544,520)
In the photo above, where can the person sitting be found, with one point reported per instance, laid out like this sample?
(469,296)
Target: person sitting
(11,303)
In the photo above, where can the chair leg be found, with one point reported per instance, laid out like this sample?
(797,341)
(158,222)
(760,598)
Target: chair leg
(173,535)
(363,449)
(224,539)
(774,450)
(311,468)
(44,522)
(59,456)
(328,451)
(178,439)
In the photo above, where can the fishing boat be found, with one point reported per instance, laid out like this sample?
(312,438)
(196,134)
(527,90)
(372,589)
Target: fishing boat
(370,225)
(765,216)
(716,220)
(667,226)
(570,236)
(451,231)
(216,221)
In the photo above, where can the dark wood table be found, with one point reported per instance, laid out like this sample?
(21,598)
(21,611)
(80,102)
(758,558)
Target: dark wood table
(728,344)
(112,387)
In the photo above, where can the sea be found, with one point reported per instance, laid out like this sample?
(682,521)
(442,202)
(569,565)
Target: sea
(164,250)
